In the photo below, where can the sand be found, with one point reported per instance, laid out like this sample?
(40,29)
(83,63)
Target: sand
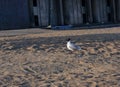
(42,60)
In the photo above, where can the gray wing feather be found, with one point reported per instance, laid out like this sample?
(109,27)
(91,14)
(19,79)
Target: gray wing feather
(74,47)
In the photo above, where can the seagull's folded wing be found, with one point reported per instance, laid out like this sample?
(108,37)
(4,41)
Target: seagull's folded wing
(74,47)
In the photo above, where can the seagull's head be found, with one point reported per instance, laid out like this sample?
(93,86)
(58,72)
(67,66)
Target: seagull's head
(68,39)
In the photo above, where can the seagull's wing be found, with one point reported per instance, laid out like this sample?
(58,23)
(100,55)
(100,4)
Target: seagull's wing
(74,47)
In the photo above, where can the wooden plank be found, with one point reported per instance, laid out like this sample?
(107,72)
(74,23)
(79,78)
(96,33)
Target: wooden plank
(75,10)
(47,12)
(79,13)
(61,12)
(90,17)
(67,11)
(113,12)
(96,11)
(43,6)
(103,11)
(71,12)
(39,11)
(53,13)
(118,10)
(32,24)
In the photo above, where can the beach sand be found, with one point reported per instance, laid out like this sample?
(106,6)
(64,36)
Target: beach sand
(42,60)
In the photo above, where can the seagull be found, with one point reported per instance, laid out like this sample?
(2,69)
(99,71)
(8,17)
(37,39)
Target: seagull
(71,46)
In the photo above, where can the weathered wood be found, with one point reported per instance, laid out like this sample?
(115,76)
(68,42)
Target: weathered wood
(77,12)
(103,11)
(31,17)
(118,10)
(69,12)
(89,6)
(61,12)
(66,5)
(72,12)
(96,11)
(14,14)
(113,11)
(43,15)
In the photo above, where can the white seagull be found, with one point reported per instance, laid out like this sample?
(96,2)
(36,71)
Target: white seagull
(71,46)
